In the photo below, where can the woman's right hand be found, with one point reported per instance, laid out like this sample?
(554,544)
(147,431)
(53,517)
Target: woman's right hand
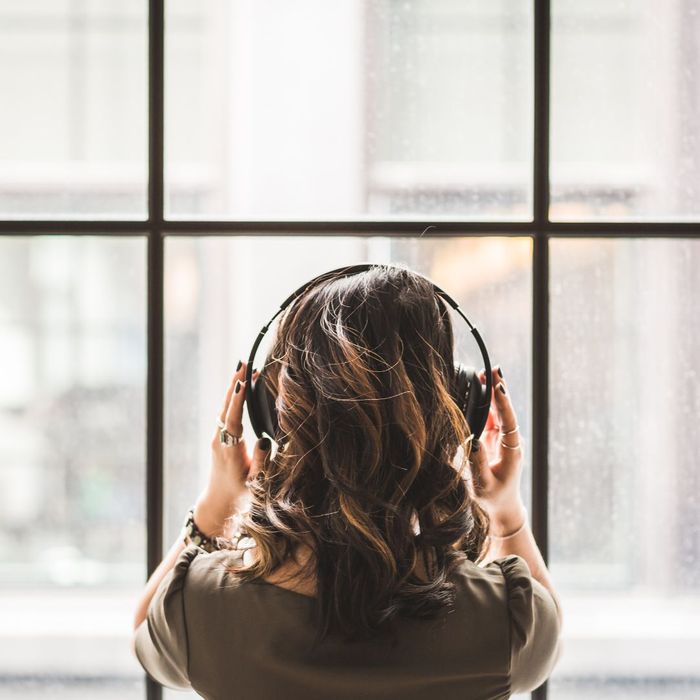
(495,468)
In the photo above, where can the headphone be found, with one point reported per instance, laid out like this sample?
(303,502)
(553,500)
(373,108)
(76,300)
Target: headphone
(472,397)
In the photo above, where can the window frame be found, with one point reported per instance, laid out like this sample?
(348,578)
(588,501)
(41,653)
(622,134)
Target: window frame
(155,228)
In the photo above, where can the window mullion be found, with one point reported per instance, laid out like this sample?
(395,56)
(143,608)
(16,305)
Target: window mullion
(154,399)
(540,288)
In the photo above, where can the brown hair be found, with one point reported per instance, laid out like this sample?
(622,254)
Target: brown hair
(369,432)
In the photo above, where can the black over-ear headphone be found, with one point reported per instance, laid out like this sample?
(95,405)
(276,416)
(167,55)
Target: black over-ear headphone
(472,397)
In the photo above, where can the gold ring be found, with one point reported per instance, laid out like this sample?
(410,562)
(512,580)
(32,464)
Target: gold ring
(510,447)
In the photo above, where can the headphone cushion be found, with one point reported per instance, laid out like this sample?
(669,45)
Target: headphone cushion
(263,417)
(470,396)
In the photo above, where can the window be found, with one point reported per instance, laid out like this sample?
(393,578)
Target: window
(161,161)
(349,110)
(74,119)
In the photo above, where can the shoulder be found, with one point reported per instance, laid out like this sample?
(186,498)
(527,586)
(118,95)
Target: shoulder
(529,601)
(535,627)
(182,599)
(208,571)
(195,568)
(161,643)
(499,577)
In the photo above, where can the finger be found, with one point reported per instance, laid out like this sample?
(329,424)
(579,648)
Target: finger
(261,456)
(238,374)
(508,419)
(234,417)
(492,418)
(492,429)
(481,472)
(489,441)
(227,400)
(504,407)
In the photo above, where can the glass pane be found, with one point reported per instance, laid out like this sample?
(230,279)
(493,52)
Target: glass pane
(625,475)
(72,465)
(625,110)
(371,108)
(73,123)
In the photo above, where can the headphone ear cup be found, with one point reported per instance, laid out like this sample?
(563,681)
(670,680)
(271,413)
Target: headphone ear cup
(460,392)
(470,396)
(261,408)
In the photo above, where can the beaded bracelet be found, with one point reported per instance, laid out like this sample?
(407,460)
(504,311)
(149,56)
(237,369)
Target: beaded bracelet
(191,534)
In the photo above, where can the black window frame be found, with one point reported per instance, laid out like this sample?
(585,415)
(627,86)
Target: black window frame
(155,228)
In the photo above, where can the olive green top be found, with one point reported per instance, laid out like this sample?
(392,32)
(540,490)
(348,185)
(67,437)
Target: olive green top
(225,639)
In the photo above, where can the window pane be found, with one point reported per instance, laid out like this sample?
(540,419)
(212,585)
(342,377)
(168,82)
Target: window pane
(221,291)
(351,108)
(625,110)
(625,475)
(74,111)
(72,465)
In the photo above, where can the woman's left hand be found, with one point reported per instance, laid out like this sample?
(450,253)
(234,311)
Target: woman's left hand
(231,466)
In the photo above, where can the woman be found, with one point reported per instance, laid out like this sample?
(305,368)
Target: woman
(385,554)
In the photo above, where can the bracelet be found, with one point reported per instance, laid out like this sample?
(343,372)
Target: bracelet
(512,534)
(191,534)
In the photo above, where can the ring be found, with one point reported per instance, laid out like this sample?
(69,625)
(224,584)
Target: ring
(515,430)
(225,437)
(510,447)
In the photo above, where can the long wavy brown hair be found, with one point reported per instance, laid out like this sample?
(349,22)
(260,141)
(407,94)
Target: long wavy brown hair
(369,437)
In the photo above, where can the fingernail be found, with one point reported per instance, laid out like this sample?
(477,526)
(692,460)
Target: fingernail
(502,388)
(264,444)
(500,374)
(238,386)
(238,366)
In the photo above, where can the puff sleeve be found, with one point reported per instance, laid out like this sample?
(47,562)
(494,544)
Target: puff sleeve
(535,627)
(161,639)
